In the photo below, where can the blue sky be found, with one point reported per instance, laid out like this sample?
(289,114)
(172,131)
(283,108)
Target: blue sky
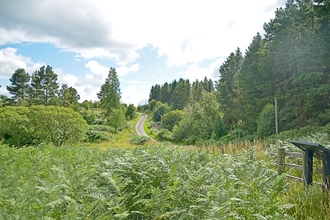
(148,42)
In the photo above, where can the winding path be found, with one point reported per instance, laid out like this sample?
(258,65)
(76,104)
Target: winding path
(139,127)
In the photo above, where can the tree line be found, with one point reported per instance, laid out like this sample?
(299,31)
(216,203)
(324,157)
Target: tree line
(40,111)
(290,63)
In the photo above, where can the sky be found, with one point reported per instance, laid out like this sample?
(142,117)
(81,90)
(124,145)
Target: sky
(149,42)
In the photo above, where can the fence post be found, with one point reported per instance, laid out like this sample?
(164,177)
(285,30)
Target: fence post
(326,171)
(281,160)
(308,167)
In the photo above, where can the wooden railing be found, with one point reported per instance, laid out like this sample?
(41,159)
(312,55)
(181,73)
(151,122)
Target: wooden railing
(282,165)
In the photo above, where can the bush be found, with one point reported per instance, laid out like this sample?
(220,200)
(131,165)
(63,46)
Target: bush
(89,116)
(97,136)
(22,126)
(98,133)
(139,140)
(165,134)
(172,118)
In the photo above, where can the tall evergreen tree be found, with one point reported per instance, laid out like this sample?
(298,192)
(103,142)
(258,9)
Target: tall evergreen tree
(227,89)
(44,86)
(19,85)
(181,94)
(253,81)
(110,94)
(154,93)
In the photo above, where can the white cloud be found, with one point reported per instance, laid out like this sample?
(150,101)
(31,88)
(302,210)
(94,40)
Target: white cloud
(194,71)
(125,70)
(184,31)
(65,78)
(10,61)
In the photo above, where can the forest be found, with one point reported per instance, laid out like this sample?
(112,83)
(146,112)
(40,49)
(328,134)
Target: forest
(290,63)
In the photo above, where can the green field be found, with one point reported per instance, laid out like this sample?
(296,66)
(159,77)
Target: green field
(157,182)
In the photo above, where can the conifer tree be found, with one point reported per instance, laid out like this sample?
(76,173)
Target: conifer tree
(110,94)
(19,85)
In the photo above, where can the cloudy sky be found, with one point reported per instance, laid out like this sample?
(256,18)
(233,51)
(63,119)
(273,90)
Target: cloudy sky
(148,41)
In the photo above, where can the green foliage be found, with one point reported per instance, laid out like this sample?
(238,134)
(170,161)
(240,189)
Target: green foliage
(160,110)
(39,124)
(144,183)
(99,133)
(57,125)
(15,128)
(139,140)
(172,118)
(165,135)
(19,85)
(266,121)
(89,116)
(44,87)
(109,94)
(130,112)
(117,119)
(200,121)
(68,96)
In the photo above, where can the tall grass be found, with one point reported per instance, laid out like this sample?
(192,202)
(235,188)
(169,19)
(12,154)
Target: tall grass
(144,183)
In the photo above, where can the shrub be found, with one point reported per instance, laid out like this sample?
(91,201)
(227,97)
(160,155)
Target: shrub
(89,116)
(139,140)
(40,124)
(172,118)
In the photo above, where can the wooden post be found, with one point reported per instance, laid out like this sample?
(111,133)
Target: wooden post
(326,171)
(281,160)
(308,167)
(276,119)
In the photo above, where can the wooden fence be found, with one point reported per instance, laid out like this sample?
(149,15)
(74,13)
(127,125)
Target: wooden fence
(282,164)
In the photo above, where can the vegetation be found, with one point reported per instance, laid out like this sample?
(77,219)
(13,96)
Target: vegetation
(21,126)
(100,172)
(144,183)
(291,63)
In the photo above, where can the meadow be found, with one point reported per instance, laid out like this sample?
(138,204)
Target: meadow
(119,179)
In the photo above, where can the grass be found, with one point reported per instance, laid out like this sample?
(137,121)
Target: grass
(120,180)
(121,139)
(143,183)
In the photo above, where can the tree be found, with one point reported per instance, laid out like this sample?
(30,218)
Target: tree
(172,118)
(228,92)
(130,112)
(44,86)
(165,94)
(155,93)
(160,110)
(181,94)
(200,121)
(257,85)
(68,96)
(19,85)
(266,121)
(117,119)
(4,100)
(87,104)
(109,94)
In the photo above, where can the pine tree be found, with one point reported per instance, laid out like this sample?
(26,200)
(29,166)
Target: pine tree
(19,86)
(44,86)
(110,94)
(227,89)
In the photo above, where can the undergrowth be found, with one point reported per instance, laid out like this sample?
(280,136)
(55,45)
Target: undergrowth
(144,183)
